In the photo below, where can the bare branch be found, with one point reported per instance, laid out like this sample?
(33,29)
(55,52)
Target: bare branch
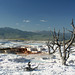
(69,30)
(72,24)
(64,54)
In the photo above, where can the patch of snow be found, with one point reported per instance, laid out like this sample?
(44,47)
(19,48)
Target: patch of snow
(11,64)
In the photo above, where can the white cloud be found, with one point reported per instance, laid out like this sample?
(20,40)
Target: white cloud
(27,21)
(17,23)
(43,20)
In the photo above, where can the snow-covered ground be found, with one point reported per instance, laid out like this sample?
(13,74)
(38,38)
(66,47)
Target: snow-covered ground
(6,43)
(12,64)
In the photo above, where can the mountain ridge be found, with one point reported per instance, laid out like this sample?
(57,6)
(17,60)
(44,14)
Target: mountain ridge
(11,33)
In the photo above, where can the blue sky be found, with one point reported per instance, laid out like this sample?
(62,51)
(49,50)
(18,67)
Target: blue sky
(37,15)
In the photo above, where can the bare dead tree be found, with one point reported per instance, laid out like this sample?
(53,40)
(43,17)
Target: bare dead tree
(66,45)
(65,51)
(51,44)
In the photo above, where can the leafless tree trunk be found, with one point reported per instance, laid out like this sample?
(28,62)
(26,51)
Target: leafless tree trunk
(65,52)
(66,45)
(51,44)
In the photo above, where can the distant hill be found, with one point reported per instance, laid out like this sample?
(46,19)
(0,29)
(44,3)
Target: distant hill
(10,33)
